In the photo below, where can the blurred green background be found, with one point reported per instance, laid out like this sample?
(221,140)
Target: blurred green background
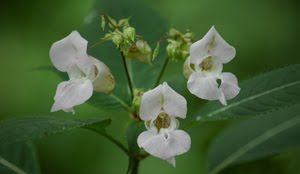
(265,34)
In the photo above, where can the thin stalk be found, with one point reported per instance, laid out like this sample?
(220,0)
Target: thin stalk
(162,71)
(96,44)
(110,138)
(127,74)
(135,166)
(116,142)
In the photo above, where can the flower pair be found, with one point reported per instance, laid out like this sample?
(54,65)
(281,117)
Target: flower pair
(204,66)
(86,73)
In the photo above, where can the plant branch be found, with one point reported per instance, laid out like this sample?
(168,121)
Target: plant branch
(127,75)
(162,71)
(135,166)
(110,138)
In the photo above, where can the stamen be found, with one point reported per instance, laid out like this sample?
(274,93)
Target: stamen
(207,64)
(162,121)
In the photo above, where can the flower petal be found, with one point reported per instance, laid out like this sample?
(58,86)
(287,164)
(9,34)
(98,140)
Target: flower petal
(72,93)
(187,70)
(103,80)
(165,145)
(212,44)
(229,85)
(69,50)
(174,104)
(205,87)
(172,161)
(220,48)
(151,104)
(200,49)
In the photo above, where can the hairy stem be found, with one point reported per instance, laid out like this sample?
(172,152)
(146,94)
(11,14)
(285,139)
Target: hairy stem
(162,71)
(127,74)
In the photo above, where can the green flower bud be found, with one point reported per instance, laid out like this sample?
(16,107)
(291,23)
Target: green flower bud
(117,38)
(136,102)
(140,51)
(129,32)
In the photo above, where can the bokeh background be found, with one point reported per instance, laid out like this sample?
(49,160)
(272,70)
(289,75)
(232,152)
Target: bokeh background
(265,34)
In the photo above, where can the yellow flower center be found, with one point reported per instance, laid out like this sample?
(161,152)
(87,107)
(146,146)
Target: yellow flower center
(162,121)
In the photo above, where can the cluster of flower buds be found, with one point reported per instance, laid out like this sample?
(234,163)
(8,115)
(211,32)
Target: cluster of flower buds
(179,44)
(124,36)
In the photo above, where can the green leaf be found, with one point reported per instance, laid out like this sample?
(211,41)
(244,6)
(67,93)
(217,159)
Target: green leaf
(18,158)
(257,137)
(26,128)
(145,20)
(258,95)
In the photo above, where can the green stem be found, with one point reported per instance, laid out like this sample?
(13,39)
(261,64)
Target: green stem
(110,138)
(135,166)
(116,142)
(162,71)
(127,74)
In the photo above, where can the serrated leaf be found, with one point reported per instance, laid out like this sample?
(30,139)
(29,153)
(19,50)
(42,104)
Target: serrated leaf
(18,158)
(26,128)
(257,137)
(258,95)
(144,19)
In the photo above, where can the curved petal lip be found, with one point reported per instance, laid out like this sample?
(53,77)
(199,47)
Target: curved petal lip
(164,146)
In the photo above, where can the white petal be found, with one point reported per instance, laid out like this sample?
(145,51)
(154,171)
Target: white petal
(187,70)
(68,51)
(72,93)
(103,80)
(164,145)
(229,85)
(174,104)
(172,161)
(205,87)
(200,49)
(212,44)
(221,48)
(151,104)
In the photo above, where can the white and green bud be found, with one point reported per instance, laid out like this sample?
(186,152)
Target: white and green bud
(103,80)
(117,38)
(140,51)
(136,102)
(129,32)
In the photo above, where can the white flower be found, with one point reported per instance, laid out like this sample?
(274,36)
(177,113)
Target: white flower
(159,109)
(204,68)
(85,72)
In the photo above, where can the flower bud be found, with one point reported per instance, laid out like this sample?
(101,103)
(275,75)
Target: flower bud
(140,51)
(129,32)
(136,102)
(103,80)
(117,38)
